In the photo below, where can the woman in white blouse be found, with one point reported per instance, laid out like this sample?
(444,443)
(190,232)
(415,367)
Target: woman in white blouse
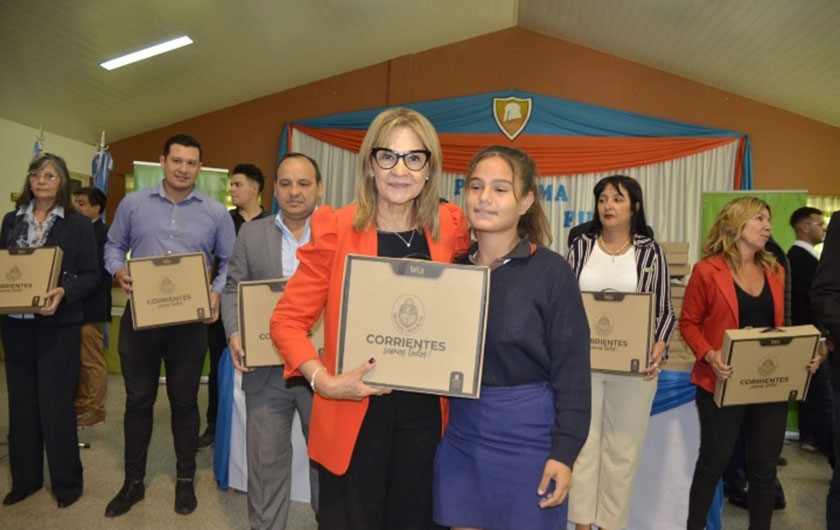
(618,254)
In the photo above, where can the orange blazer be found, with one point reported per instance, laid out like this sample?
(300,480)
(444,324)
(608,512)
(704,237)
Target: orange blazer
(710,307)
(316,286)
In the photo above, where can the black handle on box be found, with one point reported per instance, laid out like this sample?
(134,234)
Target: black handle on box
(415,267)
(21,251)
(166,260)
(608,295)
(776,341)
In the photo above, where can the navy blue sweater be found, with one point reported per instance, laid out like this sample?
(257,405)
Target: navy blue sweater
(537,331)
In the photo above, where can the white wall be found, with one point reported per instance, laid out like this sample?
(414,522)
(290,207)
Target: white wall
(16,143)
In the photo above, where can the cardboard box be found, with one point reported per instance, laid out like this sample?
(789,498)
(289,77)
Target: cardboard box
(677,291)
(768,365)
(674,247)
(677,304)
(256,302)
(26,274)
(676,252)
(621,330)
(678,343)
(424,323)
(678,270)
(169,290)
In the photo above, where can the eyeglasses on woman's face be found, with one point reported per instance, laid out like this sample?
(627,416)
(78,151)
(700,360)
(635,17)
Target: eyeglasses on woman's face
(45,175)
(414,160)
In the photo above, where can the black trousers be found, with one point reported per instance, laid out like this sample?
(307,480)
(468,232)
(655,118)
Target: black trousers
(42,375)
(764,433)
(216,343)
(815,413)
(182,350)
(389,481)
(735,474)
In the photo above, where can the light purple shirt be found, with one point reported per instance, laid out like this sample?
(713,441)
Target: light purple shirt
(148,223)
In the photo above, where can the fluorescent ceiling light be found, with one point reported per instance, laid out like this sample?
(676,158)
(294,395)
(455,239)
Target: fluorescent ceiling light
(145,53)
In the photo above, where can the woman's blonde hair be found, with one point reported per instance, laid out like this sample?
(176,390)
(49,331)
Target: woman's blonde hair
(426,204)
(726,231)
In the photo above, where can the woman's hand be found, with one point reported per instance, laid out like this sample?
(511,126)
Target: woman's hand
(561,474)
(656,360)
(348,385)
(53,298)
(714,359)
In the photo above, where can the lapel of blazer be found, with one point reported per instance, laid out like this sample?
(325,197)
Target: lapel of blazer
(726,285)
(777,289)
(275,248)
(437,250)
(55,231)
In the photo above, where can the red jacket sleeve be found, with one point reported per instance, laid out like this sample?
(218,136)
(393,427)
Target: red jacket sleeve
(461,228)
(305,295)
(696,308)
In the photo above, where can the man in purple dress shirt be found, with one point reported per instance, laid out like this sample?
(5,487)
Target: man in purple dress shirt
(172,218)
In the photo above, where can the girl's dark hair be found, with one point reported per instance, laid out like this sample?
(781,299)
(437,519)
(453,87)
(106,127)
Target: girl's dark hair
(532,223)
(638,223)
(64,197)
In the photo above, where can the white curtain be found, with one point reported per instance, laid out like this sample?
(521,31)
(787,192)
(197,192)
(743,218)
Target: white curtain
(671,189)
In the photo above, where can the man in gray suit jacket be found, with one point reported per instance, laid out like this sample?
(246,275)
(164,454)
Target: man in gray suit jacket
(265,249)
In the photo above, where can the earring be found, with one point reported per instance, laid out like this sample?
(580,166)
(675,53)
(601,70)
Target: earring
(427,177)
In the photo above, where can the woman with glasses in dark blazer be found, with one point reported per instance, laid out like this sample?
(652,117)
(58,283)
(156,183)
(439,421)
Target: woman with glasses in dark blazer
(42,349)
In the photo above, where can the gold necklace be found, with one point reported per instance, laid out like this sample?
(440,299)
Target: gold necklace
(608,251)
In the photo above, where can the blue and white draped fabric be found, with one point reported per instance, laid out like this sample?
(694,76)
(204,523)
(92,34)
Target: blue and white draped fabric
(467,114)
(675,390)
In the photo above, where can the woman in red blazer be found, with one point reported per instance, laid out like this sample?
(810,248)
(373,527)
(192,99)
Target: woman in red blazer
(737,285)
(375,450)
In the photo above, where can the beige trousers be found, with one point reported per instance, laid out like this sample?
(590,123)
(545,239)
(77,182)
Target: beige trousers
(602,479)
(93,376)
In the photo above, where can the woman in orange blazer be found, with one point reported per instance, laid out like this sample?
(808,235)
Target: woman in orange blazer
(375,447)
(737,285)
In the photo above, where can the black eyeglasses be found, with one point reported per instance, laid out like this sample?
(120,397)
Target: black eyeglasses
(413,160)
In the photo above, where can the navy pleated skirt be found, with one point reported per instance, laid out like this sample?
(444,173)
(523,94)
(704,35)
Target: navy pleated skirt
(491,460)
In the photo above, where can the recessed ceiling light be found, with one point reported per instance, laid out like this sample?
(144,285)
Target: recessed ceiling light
(145,53)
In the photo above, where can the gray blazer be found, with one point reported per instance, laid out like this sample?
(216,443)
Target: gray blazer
(257,255)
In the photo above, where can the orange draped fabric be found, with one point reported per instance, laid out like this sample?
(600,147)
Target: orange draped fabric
(555,155)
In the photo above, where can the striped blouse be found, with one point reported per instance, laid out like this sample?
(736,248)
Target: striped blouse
(651,271)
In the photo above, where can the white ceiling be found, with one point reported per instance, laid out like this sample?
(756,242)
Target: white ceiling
(782,52)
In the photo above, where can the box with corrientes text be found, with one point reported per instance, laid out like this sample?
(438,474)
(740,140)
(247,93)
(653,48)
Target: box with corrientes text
(423,322)
(26,274)
(768,365)
(256,302)
(169,290)
(621,328)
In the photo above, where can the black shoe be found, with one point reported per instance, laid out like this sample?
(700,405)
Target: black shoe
(739,499)
(14,497)
(206,440)
(130,494)
(185,501)
(67,500)
(782,461)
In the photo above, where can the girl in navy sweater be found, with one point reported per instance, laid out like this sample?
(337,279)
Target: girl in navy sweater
(506,459)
